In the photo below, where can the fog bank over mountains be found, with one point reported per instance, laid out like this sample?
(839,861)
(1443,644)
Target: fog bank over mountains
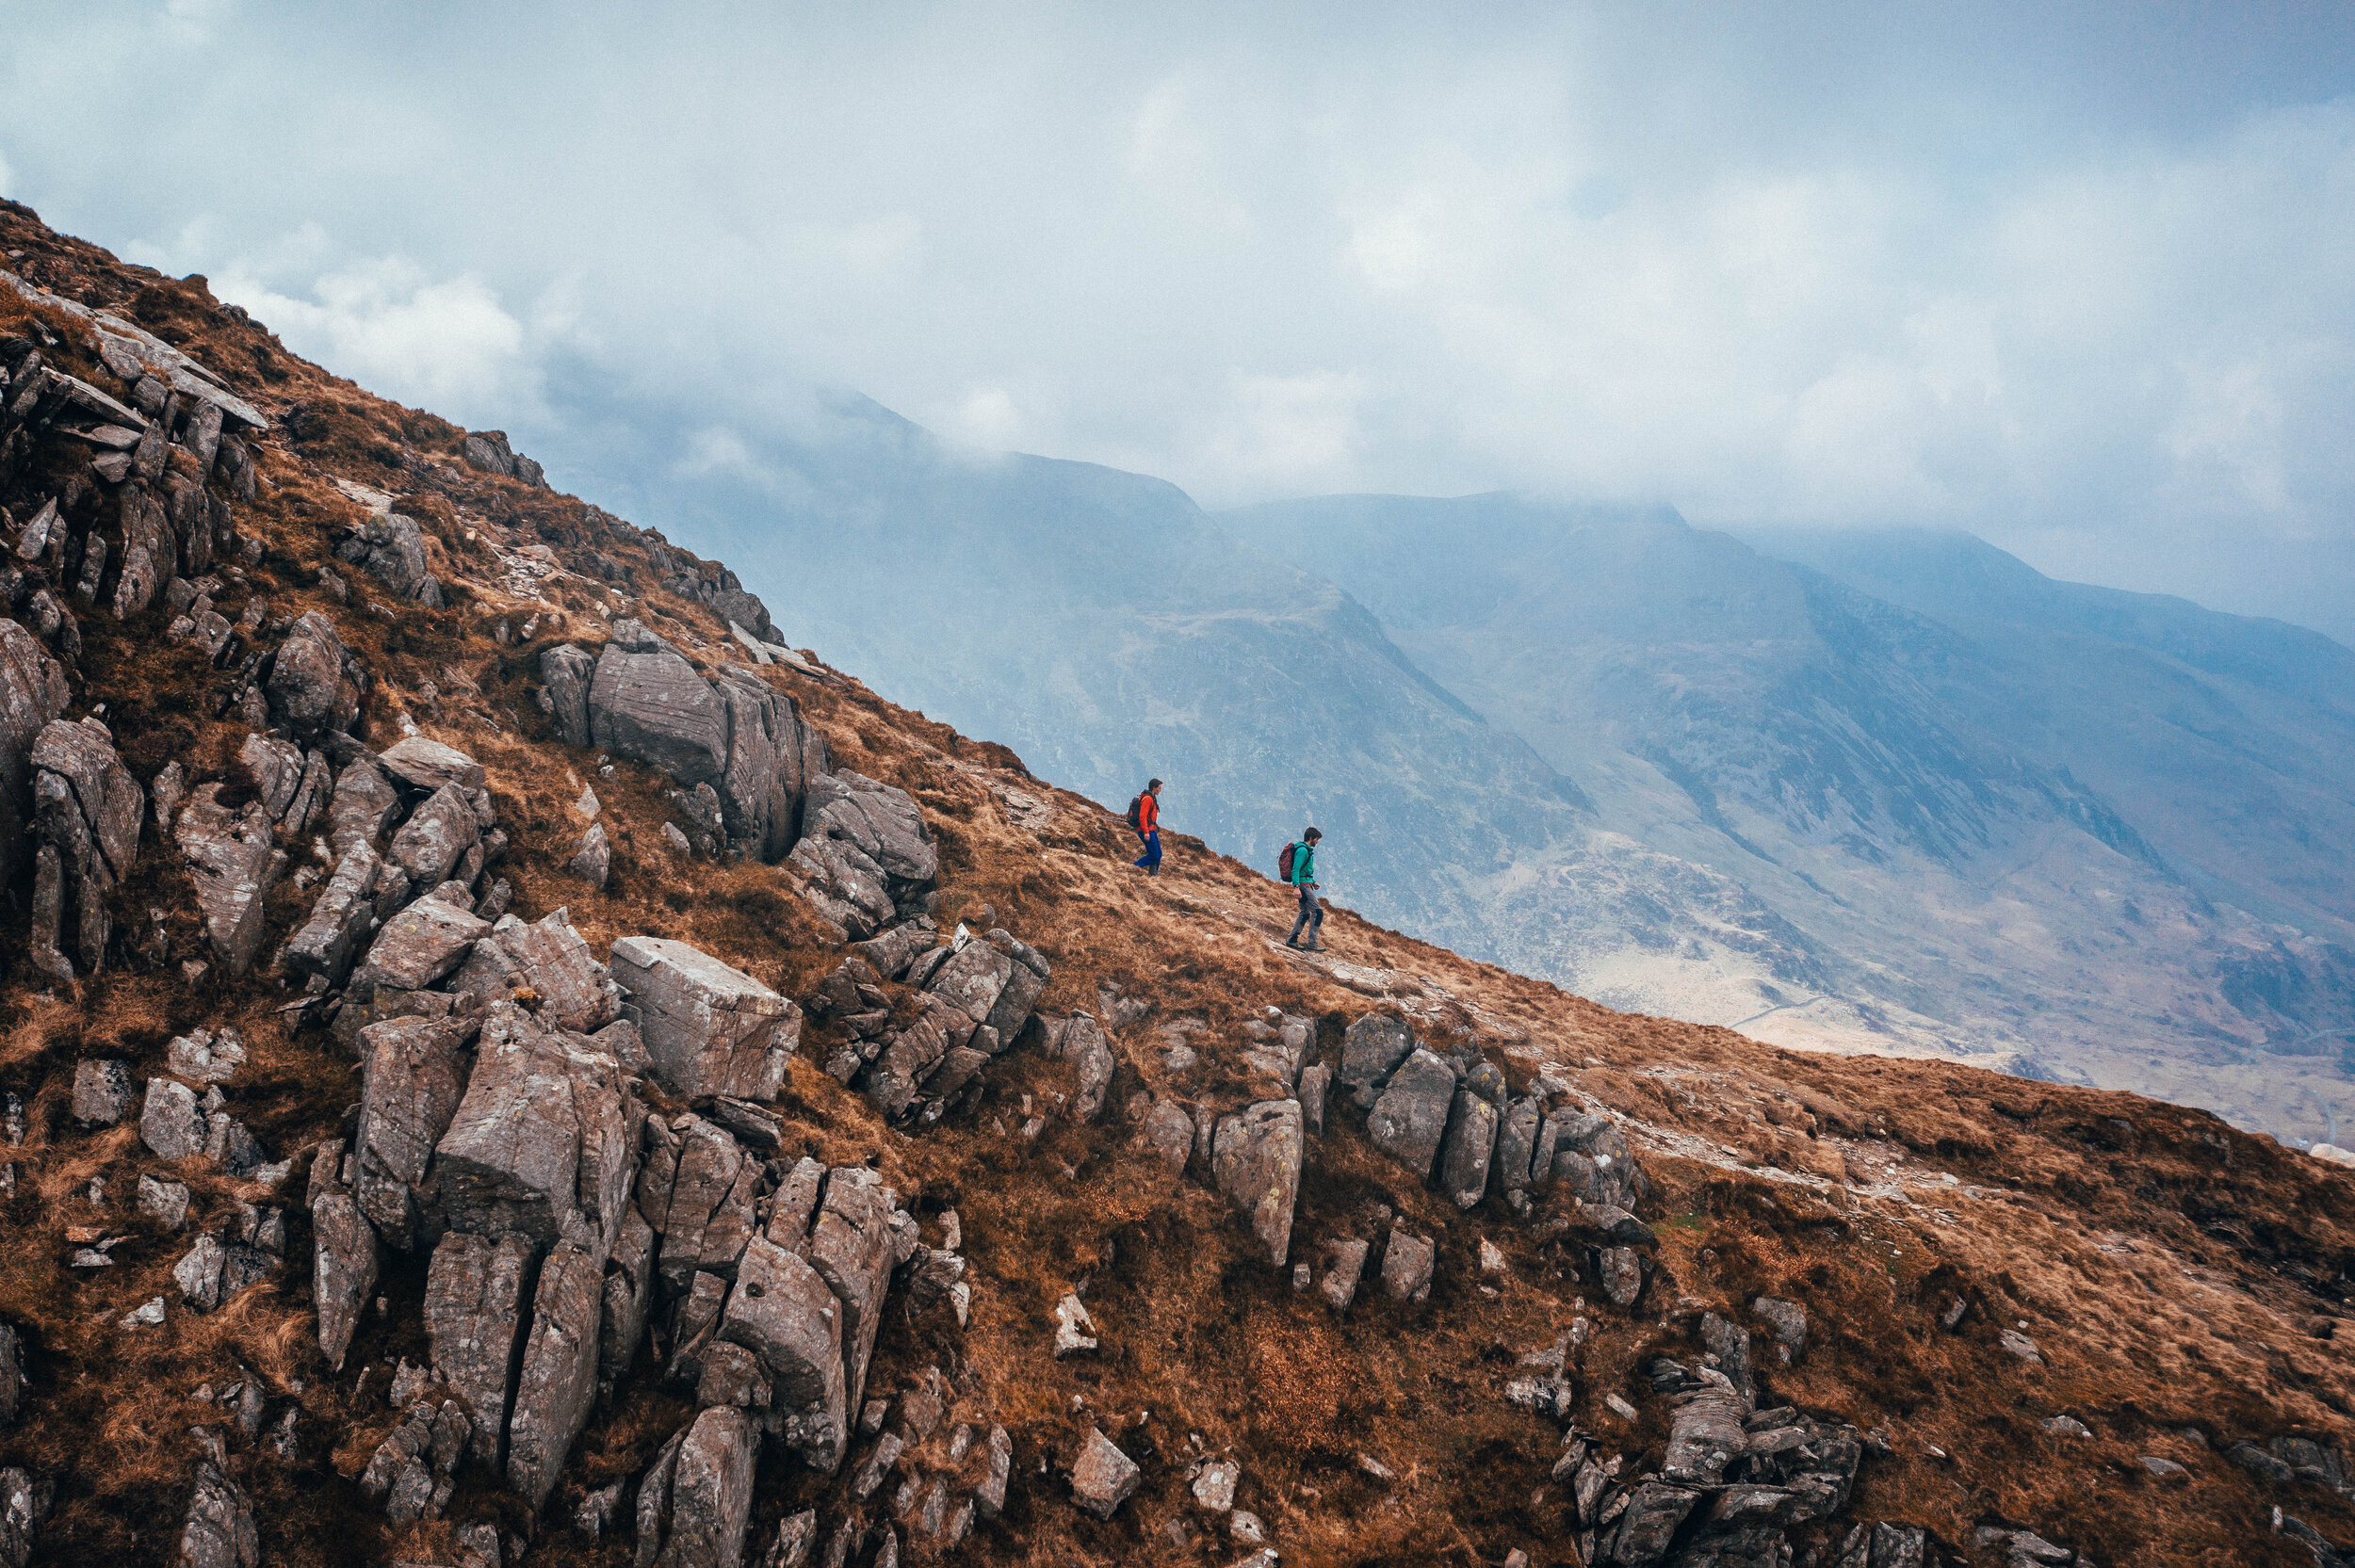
(1889,791)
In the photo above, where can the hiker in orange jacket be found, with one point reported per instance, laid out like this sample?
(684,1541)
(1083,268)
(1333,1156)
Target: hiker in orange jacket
(1144,815)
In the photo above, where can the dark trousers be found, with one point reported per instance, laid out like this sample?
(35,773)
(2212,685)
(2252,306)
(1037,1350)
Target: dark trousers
(1311,917)
(1151,859)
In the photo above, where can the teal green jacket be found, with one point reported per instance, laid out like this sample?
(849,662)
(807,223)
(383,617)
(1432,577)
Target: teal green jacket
(1304,862)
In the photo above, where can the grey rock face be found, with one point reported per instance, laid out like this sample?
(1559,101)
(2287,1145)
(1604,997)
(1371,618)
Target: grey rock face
(883,822)
(851,1247)
(1730,1345)
(651,707)
(1464,1159)
(218,1531)
(103,1092)
(772,756)
(782,1312)
(391,549)
(340,920)
(1255,1157)
(170,1121)
(474,1291)
(1085,1046)
(315,683)
(232,863)
(418,947)
(991,1494)
(32,691)
(542,1143)
(343,1270)
(1170,1131)
(1788,1322)
(24,1503)
(593,857)
(1407,1266)
(1314,1083)
(628,1297)
(702,1194)
(711,1492)
(88,810)
(1704,1435)
(1371,1052)
(566,672)
(708,1029)
(166,1202)
(843,885)
(427,764)
(1655,1511)
(436,837)
(363,806)
(1622,1271)
(203,1057)
(1410,1118)
(559,1378)
(1102,1477)
(1517,1144)
(412,1077)
(547,958)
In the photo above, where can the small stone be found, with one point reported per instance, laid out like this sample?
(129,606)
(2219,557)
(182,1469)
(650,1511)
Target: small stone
(1375,1468)
(1406,1265)
(1245,1526)
(1620,1407)
(1491,1260)
(1074,1328)
(1103,1477)
(2018,1344)
(103,1092)
(146,1317)
(166,1202)
(1215,1486)
(2066,1425)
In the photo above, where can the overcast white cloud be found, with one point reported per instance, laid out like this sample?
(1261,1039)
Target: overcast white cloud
(2076,278)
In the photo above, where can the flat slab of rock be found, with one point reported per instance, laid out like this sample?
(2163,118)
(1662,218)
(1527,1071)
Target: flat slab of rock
(650,706)
(418,947)
(428,764)
(851,1247)
(708,1029)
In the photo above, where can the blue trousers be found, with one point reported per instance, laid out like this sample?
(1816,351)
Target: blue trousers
(1151,859)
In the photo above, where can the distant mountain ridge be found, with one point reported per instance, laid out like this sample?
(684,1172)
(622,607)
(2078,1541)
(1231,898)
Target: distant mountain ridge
(1792,787)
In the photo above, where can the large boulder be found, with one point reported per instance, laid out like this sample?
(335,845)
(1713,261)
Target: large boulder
(846,888)
(557,1381)
(548,959)
(341,917)
(233,864)
(474,1310)
(32,691)
(1371,1052)
(1471,1140)
(647,702)
(344,1261)
(436,837)
(883,822)
(391,548)
(219,1531)
(314,684)
(708,1495)
(542,1143)
(565,674)
(783,1311)
(417,946)
(700,1195)
(1102,1477)
(708,1029)
(87,811)
(773,755)
(363,806)
(1255,1157)
(1410,1118)
(427,764)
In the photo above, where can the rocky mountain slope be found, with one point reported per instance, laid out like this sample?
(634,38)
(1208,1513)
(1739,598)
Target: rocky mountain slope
(504,1061)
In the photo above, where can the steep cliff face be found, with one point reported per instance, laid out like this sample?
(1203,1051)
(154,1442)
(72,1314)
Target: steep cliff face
(506,1061)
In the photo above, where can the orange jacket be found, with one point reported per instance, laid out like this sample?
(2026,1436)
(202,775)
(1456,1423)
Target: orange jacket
(1148,813)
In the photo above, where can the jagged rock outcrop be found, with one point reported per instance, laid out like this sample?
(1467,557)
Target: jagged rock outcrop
(412,1077)
(882,823)
(543,1142)
(233,862)
(218,1531)
(557,1381)
(344,1259)
(1410,1118)
(547,961)
(33,692)
(87,814)
(316,683)
(477,1289)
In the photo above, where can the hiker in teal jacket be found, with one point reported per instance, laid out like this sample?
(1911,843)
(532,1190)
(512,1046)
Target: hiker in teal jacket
(1305,878)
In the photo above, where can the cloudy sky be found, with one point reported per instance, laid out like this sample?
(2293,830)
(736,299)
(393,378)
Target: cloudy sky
(2080,279)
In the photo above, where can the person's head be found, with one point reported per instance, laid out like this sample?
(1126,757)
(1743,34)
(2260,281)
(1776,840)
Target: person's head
(1154,787)
(1311,836)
